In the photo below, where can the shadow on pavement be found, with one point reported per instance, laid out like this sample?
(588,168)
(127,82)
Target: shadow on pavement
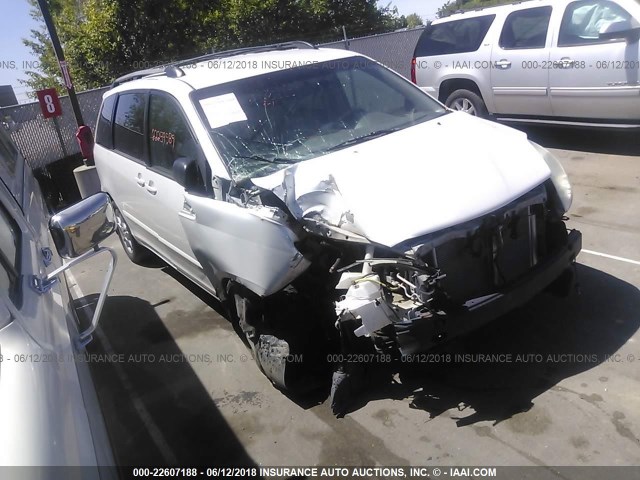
(606,141)
(585,328)
(315,387)
(156,409)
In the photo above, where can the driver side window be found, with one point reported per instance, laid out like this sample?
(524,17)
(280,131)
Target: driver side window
(170,137)
(584,20)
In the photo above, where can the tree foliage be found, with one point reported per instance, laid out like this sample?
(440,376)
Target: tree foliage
(103,39)
(414,20)
(453,6)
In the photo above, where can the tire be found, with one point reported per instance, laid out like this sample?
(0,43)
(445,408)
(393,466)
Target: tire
(136,252)
(466,101)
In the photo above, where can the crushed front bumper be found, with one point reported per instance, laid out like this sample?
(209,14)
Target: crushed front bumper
(420,335)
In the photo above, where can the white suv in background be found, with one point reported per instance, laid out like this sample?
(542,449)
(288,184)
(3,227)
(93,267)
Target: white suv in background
(570,61)
(285,180)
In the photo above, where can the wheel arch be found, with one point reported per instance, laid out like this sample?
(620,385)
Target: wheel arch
(447,87)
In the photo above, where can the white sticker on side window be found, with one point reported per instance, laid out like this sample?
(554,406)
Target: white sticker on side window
(222,110)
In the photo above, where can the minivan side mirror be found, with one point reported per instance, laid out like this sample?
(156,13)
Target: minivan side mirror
(82,226)
(185,172)
(619,30)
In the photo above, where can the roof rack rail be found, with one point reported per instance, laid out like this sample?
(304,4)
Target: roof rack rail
(136,75)
(172,69)
(240,51)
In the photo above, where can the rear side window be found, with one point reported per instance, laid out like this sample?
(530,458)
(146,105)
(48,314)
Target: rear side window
(583,21)
(104,134)
(8,153)
(129,124)
(9,255)
(459,36)
(526,29)
(169,135)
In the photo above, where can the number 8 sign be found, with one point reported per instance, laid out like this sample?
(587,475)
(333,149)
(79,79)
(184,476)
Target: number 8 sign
(49,102)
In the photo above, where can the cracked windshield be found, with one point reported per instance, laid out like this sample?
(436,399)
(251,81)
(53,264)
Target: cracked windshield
(264,123)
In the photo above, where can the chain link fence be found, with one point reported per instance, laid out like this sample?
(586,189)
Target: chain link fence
(44,141)
(394,49)
(36,136)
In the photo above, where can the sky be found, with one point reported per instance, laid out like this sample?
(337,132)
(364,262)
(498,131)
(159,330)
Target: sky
(16,24)
(425,8)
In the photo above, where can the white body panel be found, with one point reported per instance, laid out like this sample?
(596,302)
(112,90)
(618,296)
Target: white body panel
(45,396)
(493,166)
(49,412)
(518,90)
(251,245)
(608,92)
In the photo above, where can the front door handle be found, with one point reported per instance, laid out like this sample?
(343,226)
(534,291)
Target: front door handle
(504,64)
(151,189)
(140,181)
(566,62)
(187,211)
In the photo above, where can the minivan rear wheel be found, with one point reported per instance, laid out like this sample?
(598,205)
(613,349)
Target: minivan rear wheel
(136,252)
(467,101)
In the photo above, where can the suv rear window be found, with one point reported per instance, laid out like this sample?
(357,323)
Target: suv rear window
(129,124)
(526,28)
(459,36)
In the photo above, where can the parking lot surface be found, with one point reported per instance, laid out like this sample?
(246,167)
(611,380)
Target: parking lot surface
(556,382)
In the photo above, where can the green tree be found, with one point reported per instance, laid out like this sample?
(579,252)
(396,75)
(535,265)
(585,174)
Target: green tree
(104,39)
(454,5)
(414,20)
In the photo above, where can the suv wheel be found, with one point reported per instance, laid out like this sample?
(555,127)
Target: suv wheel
(136,252)
(468,102)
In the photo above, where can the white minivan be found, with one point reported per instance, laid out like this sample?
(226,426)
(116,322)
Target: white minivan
(286,180)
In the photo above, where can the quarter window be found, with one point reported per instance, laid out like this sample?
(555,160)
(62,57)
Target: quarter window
(129,121)
(583,21)
(459,36)
(104,132)
(526,29)
(169,135)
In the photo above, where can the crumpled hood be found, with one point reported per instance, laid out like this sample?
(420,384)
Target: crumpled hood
(413,182)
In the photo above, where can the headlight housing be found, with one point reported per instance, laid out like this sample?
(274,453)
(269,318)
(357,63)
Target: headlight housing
(559,177)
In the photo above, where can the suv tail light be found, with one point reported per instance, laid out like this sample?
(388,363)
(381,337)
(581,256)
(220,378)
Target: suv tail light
(413,70)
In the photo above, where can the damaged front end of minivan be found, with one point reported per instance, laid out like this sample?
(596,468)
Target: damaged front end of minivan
(358,299)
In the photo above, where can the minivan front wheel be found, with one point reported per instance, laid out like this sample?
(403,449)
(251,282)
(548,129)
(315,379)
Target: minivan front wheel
(136,252)
(467,101)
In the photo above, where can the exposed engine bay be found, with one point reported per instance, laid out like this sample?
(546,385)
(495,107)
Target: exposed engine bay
(359,296)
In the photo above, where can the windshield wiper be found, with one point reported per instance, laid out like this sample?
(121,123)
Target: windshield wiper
(362,138)
(278,160)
